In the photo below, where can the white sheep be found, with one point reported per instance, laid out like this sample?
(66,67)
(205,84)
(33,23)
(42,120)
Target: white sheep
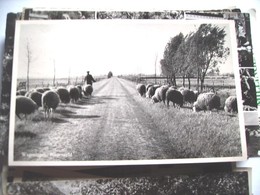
(231,104)
(207,101)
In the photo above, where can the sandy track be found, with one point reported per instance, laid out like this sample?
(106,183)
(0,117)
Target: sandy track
(110,125)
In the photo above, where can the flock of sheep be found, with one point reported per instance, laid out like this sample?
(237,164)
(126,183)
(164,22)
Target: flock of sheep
(181,96)
(49,99)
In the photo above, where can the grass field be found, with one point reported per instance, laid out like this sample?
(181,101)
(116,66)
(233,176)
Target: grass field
(197,135)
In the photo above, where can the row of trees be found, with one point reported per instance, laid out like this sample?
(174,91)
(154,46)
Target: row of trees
(195,54)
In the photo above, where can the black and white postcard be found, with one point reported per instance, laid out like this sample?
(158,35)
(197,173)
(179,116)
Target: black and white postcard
(211,183)
(125,92)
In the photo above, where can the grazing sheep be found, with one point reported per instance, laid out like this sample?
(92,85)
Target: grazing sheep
(162,93)
(196,93)
(174,96)
(87,90)
(148,86)
(150,92)
(182,88)
(141,89)
(36,97)
(39,89)
(50,101)
(155,97)
(188,95)
(156,86)
(24,105)
(231,104)
(46,89)
(207,101)
(64,94)
(21,92)
(74,93)
(79,87)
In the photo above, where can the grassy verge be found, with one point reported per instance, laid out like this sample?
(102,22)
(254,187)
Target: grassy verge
(196,135)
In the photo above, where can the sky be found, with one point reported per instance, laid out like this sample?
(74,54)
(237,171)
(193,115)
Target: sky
(70,48)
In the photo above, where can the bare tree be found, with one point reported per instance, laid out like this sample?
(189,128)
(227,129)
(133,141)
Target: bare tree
(29,59)
(54,72)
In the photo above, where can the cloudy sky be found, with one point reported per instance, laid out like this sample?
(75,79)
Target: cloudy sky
(100,46)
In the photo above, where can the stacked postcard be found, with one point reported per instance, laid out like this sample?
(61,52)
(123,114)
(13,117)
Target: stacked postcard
(129,102)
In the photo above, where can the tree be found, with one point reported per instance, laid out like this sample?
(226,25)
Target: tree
(29,59)
(110,74)
(182,59)
(208,49)
(54,72)
(195,54)
(168,65)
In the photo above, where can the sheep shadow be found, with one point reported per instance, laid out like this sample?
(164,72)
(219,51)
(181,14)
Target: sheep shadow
(57,120)
(71,105)
(64,111)
(24,134)
(81,116)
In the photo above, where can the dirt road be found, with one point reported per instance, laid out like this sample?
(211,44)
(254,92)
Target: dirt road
(110,125)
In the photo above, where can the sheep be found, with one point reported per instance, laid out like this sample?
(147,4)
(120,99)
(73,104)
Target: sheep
(50,101)
(63,94)
(46,89)
(155,97)
(174,96)
(231,104)
(188,95)
(87,90)
(36,97)
(156,86)
(196,93)
(24,105)
(39,89)
(74,93)
(79,87)
(148,86)
(160,94)
(150,92)
(141,89)
(21,92)
(207,101)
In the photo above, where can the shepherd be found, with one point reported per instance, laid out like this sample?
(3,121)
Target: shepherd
(89,79)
